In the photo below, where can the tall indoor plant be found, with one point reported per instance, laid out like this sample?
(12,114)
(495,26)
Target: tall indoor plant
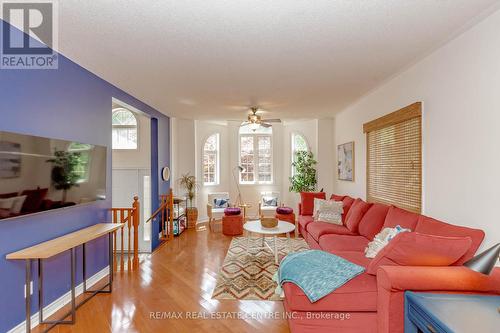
(64,173)
(189,183)
(304,178)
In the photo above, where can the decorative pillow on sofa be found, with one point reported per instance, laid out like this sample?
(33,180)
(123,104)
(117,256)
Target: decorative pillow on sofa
(329,211)
(270,201)
(355,214)
(415,249)
(337,197)
(307,201)
(382,239)
(221,203)
(7,203)
(18,204)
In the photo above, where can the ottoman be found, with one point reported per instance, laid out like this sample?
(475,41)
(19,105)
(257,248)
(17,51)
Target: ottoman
(232,222)
(286,214)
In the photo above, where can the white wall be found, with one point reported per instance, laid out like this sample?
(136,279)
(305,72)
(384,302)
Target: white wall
(188,137)
(459,86)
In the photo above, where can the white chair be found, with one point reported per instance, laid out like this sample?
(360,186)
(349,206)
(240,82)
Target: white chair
(268,203)
(214,212)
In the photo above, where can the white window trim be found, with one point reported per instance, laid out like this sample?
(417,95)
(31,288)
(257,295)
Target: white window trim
(126,126)
(217,161)
(255,160)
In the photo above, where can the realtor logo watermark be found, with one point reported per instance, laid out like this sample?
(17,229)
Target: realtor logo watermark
(29,34)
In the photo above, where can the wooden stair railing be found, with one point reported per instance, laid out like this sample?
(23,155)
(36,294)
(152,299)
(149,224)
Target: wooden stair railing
(131,218)
(166,213)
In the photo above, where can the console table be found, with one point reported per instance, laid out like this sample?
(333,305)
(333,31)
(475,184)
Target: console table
(451,313)
(54,247)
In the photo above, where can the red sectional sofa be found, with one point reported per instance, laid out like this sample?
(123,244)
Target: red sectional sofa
(374,302)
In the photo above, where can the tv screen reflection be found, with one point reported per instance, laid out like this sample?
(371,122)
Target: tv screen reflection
(39,174)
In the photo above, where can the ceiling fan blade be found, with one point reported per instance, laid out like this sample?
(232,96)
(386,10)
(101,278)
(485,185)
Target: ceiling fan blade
(272,120)
(245,123)
(266,125)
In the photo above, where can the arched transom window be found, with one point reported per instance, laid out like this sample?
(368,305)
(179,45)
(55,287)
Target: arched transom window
(124,129)
(211,160)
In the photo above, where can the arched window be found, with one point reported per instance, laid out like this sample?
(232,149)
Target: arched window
(124,129)
(256,155)
(299,143)
(211,160)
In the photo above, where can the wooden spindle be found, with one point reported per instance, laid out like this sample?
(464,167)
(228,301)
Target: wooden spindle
(171,215)
(129,225)
(136,217)
(122,260)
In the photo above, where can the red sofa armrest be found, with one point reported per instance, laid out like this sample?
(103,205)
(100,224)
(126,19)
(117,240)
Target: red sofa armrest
(393,281)
(300,209)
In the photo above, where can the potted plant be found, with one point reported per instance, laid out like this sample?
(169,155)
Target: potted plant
(64,173)
(304,179)
(188,182)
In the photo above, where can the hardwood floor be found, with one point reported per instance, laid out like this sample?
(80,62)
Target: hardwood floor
(176,280)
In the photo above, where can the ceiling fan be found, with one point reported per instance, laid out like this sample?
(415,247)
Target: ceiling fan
(254,120)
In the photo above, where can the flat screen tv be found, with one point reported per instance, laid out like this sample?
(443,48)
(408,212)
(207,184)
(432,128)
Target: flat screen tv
(39,174)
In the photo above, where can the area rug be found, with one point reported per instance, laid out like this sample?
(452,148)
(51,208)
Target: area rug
(250,277)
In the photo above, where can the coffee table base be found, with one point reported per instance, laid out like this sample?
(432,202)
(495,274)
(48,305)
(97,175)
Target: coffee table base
(266,246)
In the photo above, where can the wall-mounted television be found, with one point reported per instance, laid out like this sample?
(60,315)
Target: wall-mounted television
(39,174)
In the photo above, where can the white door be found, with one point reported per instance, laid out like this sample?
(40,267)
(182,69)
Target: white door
(128,182)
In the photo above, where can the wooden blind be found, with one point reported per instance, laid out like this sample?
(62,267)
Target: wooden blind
(394,159)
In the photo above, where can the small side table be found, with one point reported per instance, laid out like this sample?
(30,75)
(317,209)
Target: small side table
(451,313)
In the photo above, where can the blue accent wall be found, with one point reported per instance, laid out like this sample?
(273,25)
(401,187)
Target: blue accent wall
(69,103)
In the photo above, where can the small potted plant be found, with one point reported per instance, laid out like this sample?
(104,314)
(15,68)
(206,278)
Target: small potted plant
(189,183)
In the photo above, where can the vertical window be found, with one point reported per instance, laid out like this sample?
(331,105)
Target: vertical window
(299,143)
(394,158)
(124,129)
(256,155)
(211,160)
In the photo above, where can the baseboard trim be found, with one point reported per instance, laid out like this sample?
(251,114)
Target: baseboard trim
(53,307)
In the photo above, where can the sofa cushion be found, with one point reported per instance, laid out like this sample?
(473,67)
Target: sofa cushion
(373,220)
(348,201)
(307,201)
(334,243)
(356,213)
(304,220)
(357,295)
(397,216)
(415,249)
(34,199)
(430,226)
(337,197)
(317,229)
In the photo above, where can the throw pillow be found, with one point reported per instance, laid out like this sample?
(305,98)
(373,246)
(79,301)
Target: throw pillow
(307,201)
(415,249)
(18,204)
(329,211)
(221,203)
(6,203)
(269,201)
(382,239)
(356,213)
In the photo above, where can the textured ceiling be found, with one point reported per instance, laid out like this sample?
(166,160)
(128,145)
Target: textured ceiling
(209,59)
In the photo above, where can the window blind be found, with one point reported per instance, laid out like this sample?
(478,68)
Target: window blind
(394,159)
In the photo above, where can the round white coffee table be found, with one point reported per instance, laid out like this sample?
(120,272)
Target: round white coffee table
(256,228)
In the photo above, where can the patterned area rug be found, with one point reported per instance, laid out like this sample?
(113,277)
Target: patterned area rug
(250,277)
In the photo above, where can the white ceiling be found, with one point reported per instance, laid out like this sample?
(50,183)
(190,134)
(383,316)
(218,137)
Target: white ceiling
(296,58)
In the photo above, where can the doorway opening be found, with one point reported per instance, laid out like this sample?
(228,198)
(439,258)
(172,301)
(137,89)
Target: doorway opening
(131,165)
